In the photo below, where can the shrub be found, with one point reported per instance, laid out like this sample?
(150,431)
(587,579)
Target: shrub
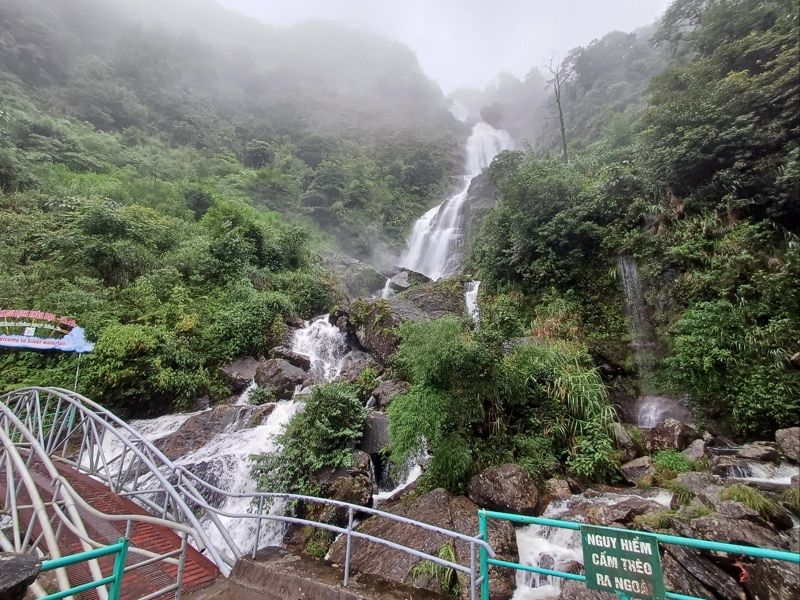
(671,461)
(261,395)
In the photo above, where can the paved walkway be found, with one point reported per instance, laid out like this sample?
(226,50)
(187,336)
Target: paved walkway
(199,571)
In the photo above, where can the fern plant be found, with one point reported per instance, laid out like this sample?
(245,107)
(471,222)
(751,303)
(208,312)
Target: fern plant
(449,580)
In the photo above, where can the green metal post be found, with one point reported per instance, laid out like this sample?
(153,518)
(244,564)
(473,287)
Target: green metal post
(119,569)
(484,533)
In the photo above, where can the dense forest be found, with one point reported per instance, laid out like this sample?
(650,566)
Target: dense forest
(174,192)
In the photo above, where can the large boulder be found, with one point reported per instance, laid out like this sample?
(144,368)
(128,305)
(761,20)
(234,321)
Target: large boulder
(376,433)
(761,451)
(406,279)
(300,361)
(281,376)
(357,278)
(388,390)
(356,361)
(696,450)
(437,508)
(623,512)
(198,429)
(789,443)
(506,488)
(375,322)
(554,489)
(669,434)
(438,298)
(637,469)
(240,373)
(624,442)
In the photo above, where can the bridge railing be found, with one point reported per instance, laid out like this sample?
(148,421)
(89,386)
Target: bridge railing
(486,560)
(114,581)
(91,439)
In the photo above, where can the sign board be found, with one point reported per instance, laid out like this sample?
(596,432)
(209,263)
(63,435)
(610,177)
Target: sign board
(37,330)
(622,561)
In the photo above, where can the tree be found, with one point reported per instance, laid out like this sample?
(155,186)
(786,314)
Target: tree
(560,75)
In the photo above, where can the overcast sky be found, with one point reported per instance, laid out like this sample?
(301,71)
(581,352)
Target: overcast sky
(467,42)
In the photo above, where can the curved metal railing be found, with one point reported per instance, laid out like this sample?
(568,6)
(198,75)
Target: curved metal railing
(70,428)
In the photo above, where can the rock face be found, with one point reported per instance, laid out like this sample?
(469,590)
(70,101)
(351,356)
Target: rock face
(506,488)
(280,375)
(357,278)
(623,512)
(669,434)
(554,489)
(387,390)
(438,298)
(300,361)
(624,442)
(376,433)
(355,362)
(442,510)
(405,279)
(375,322)
(240,373)
(762,451)
(696,450)
(198,429)
(789,443)
(638,468)
(354,485)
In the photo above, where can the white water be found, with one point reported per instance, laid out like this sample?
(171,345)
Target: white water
(471,299)
(412,474)
(387,291)
(436,243)
(555,548)
(759,472)
(651,410)
(244,397)
(324,344)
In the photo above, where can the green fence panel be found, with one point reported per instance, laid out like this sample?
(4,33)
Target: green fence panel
(114,580)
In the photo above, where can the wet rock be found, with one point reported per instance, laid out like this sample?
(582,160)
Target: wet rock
(387,390)
(773,578)
(705,486)
(357,278)
(506,488)
(298,360)
(198,429)
(638,468)
(669,434)
(437,299)
(696,450)
(280,375)
(240,373)
(405,279)
(622,512)
(554,489)
(624,442)
(689,572)
(17,572)
(442,510)
(761,451)
(376,433)
(730,466)
(574,590)
(356,361)
(374,323)
(789,443)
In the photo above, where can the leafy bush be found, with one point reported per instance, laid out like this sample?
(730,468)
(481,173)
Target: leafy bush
(262,395)
(672,461)
(320,436)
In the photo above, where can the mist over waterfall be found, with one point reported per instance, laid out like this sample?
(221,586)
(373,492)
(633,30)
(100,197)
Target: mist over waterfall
(436,244)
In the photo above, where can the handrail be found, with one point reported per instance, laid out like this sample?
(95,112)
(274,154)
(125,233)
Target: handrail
(738,549)
(175,487)
(115,579)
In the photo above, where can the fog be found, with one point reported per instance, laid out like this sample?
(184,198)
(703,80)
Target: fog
(467,42)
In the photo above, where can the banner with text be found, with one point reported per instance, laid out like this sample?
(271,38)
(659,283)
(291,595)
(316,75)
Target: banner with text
(37,330)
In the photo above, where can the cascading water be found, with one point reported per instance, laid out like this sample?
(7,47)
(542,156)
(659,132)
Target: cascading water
(387,291)
(436,243)
(559,549)
(471,299)
(637,314)
(324,344)
(225,461)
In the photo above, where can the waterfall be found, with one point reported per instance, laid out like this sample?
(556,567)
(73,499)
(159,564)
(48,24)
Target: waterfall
(436,243)
(324,344)
(471,299)
(387,291)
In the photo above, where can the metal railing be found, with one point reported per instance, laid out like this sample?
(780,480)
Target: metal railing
(73,430)
(114,581)
(486,560)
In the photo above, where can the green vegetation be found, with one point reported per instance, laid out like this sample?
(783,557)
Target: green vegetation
(262,395)
(450,581)
(700,186)
(672,460)
(321,436)
(473,404)
(752,499)
(168,192)
(791,498)
(681,493)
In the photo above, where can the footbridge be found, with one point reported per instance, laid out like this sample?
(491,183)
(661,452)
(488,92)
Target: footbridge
(74,477)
